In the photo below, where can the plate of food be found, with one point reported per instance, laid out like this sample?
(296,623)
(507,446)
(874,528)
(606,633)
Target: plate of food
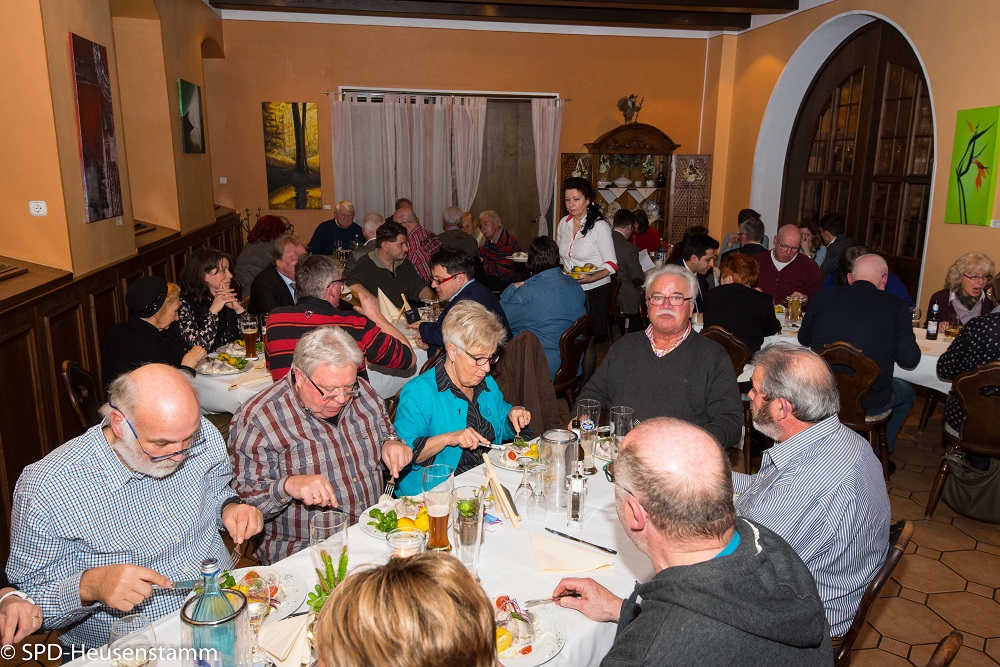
(527,638)
(392,513)
(603,449)
(288,589)
(224,364)
(519,257)
(585,270)
(238,349)
(507,457)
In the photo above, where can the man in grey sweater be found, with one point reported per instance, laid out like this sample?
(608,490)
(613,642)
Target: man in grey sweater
(727,591)
(669,370)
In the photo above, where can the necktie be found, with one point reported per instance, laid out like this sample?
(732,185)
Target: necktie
(291,287)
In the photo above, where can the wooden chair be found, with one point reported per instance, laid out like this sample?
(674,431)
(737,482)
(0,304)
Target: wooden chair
(930,405)
(84,394)
(981,430)
(431,360)
(572,345)
(615,314)
(899,536)
(739,354)
(946,650)
(391,405)
(855,374)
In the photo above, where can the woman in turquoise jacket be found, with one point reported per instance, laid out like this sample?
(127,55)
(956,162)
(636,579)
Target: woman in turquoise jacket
(450,412)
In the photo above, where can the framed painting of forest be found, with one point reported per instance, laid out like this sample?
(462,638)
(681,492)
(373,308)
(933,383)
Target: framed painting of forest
(291,155)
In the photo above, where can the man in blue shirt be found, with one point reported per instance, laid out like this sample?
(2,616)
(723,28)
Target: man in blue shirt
(341,233)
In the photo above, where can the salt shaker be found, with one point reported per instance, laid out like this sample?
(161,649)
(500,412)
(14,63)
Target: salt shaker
(577,498)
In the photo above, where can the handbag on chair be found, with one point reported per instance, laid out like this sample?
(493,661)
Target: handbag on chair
(971,491)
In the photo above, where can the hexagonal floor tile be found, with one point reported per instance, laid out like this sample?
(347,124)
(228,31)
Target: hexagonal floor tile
(941,537)
(916,456)
(904,508)
(940,510)
(877,658)
(927,575)
(993,648)
(977,566)
(978,530)
(911,481)
(908,621)
(967,612)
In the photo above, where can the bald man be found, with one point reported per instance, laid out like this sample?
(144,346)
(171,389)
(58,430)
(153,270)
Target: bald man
(863,314)
(715,597)
(785,272)
(106,522)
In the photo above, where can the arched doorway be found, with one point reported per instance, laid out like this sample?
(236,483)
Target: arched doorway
(862,144)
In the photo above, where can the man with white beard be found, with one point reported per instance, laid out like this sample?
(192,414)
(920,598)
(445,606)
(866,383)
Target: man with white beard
(668,370)
(104,523)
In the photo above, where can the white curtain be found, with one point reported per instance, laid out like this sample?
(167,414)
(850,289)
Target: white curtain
(363,154)
(546,124)
(431,184)
(469,125)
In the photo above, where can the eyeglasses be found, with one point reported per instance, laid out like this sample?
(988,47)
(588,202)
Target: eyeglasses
(442,281)
(607,472)
(334,282)
(977,279)
(184,453)
(482,361)
(348,392)
(674,299)
(786,247)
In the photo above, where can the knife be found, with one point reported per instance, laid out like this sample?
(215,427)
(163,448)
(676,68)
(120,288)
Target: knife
(532,603)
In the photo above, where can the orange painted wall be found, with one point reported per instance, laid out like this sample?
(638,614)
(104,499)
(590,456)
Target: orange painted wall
(31,170)
(299,62)
(960,69)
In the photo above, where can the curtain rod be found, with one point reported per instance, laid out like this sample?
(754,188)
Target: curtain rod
(431,93)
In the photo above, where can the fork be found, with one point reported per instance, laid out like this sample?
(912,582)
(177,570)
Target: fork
(390,487)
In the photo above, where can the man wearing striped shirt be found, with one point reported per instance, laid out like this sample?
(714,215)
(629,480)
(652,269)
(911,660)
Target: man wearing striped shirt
(318,285)
(313,441)
(820,487)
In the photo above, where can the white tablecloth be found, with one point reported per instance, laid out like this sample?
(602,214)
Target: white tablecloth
(215,395)
(507,567)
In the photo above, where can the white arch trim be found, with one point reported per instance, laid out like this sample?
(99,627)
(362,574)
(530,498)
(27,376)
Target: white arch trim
(786,98)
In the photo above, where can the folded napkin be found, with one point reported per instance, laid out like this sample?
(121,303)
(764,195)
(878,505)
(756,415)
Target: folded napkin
(555,555)
(251,378)
(286,641)
(388,309)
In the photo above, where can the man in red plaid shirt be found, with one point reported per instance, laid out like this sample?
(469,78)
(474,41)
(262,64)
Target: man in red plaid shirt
(421,242)
(495,253)
(313,441)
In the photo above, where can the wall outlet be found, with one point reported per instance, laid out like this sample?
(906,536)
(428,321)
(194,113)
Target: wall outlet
(37,208)
(223,180)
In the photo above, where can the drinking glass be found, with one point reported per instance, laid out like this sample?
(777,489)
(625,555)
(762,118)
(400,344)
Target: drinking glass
(131,641)
(258,606)
(588,411)
(915,317)
(248,325)
(621,424)
(523,491)
(467,523)
(438,483)
(328,532)
(435,306)
(953,328)
(404,542)
(537,504)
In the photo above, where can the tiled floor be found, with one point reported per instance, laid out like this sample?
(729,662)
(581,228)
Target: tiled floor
(949,578)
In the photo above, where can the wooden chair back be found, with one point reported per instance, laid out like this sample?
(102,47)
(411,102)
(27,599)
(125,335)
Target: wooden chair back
(572,345)
(978,392)
(84,394)
(946,650)
(614,310)
(431,360)
(855,374)
(737,350)
(899,537)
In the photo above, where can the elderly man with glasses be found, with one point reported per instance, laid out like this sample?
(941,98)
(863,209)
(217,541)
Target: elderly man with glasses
(105,523)
(313,441)
(668,370)
(318,284)
(784,272)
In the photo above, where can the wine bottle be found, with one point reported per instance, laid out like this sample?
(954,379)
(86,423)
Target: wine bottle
(661,180)
(213,605)
(933,322)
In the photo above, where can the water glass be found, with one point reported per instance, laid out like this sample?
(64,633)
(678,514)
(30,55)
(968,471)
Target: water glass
(328,532)
(588,411)
(404,542)
(131,641)
(621,424)
(915,317)
(438,483)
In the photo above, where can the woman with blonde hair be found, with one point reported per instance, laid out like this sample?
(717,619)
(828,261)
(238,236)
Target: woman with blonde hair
(456,407)
(150,334)
(421,611)
(964,294)
(470,226)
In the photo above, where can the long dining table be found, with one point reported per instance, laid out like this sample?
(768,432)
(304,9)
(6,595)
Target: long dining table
(507,567)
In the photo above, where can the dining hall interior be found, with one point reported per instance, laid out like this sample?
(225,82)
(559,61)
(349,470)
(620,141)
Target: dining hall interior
(743,92)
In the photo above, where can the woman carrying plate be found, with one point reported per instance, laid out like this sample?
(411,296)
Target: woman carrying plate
(210,307)
(453,412)
(150,334)
(584,238)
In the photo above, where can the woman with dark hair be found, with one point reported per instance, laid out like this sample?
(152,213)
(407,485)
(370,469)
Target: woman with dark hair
(210,307)
(584,238)
(645,237)
(545,304)
(737,307)
(812,242)
(258,253)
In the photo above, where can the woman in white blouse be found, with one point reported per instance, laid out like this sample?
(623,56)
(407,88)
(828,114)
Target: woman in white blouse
(584,239)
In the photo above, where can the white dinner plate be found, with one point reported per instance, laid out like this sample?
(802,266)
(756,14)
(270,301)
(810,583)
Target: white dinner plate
(366,516)
(602,450)
(550,637)
(232,370)
(519,257)
(293,586)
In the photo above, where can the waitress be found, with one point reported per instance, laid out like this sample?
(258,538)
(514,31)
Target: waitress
(584,238)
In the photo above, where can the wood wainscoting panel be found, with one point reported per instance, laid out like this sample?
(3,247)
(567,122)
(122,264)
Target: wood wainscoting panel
(63,329)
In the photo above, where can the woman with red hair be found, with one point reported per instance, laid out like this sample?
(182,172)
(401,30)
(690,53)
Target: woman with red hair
(258,252)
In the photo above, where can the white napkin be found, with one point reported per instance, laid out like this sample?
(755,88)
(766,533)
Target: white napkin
(286,641)
(251,378)
(388,309)
(554,555)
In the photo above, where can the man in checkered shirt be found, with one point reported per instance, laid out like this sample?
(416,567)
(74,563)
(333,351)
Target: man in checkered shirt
(135,502)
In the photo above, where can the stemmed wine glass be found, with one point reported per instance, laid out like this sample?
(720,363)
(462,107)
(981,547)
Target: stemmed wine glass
(523,492)
(537,503)
(258,605)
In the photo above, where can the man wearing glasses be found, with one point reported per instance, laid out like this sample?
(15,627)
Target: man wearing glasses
(748,239)
(784,272)
(107,521)
(313,441)
(668,370)
(319,285)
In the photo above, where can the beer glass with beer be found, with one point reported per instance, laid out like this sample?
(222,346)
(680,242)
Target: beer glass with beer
(248,325)
(438,483)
